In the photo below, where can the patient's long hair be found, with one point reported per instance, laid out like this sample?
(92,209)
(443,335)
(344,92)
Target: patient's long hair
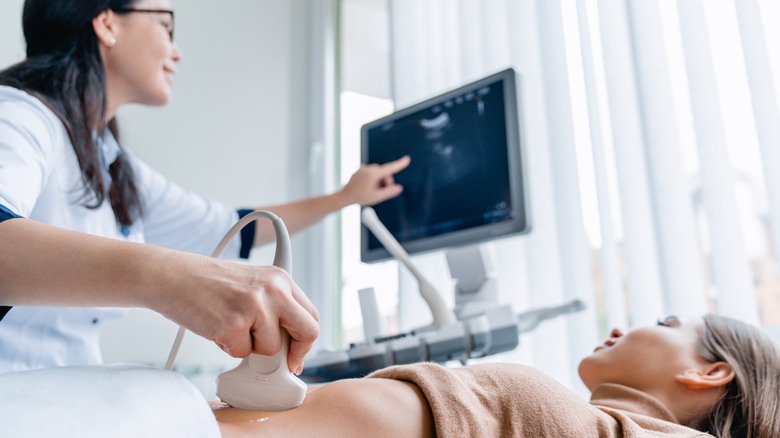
(751,405)
(65,70)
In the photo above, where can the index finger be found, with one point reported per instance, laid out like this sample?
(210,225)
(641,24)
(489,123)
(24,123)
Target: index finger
(303,330)
(304,301)
(397,165)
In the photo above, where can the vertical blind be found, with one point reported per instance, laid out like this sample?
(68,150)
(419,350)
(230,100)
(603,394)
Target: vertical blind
(652,145)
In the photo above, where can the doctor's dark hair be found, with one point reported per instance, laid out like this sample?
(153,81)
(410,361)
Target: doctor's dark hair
(64,69)
(750,405)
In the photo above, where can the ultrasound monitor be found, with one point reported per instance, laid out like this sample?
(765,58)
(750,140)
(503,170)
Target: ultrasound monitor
(465,183)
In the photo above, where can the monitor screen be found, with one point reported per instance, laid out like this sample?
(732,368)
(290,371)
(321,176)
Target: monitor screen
(464,184)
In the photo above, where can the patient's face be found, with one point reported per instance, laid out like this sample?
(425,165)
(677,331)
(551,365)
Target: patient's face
(645,358)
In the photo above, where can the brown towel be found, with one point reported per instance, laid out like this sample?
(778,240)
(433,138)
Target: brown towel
(511,400)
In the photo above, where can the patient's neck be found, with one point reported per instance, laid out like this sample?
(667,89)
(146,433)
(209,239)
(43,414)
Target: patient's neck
(677,405)
(688,405)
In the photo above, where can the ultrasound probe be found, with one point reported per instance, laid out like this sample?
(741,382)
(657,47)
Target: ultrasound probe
(259,382)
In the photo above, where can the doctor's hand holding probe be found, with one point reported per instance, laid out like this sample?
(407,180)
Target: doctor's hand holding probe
(86,227)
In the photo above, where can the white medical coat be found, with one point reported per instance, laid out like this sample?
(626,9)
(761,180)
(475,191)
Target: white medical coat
(40,179)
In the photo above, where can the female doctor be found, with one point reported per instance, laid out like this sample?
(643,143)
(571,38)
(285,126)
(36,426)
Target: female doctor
(86,226)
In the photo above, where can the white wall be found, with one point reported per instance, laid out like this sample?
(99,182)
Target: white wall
(235,131)
(11,38)
(227,131)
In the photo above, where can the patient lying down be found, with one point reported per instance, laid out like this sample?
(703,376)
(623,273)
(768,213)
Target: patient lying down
(682,378)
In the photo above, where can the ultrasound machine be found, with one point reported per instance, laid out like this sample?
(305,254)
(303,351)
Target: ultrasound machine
(465,186)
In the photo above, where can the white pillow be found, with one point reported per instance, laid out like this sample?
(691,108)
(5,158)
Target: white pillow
(103,401)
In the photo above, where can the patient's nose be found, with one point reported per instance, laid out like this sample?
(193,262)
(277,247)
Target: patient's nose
(616,333)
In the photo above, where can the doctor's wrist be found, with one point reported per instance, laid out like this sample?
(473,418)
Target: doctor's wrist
(343,198)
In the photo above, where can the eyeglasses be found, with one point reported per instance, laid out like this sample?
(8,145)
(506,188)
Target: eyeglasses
(168,26)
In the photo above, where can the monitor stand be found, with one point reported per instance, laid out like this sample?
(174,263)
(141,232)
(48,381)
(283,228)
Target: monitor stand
(475,281)
(477,327)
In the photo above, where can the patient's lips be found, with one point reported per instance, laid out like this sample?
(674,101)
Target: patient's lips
(608,343)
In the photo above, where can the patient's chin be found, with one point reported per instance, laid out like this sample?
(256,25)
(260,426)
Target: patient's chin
(588,372)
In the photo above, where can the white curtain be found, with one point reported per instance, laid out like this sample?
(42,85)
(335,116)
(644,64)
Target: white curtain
(652,143)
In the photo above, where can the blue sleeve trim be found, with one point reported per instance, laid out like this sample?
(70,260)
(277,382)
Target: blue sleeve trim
(3,311)
(247,235)
(6,214)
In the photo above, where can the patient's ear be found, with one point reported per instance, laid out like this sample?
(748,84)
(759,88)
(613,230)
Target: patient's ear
(714,375)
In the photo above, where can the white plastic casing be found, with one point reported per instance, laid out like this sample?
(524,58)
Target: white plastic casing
(442,314)
(262,383)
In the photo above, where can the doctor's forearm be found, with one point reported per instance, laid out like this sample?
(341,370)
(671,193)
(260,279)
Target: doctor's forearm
(221,301)
(46,265)
(369,185)
(299,215)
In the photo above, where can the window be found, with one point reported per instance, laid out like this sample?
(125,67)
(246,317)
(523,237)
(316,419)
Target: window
(365,96)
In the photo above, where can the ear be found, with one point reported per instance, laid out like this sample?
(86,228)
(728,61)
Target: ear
(105,26)
(715,375)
